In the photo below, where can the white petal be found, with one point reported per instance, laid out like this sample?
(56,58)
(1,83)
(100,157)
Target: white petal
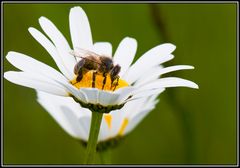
(60,42)
(136,120)
(155,72)
(146,106)
(134,107)
(169,82)
(28,64)
(76,93)
(124,92)
(70,116)
(153,57)
(175,68)
(108,98)
(147,93)
(149,75)
(76,123)
(80,29)
(103,48)
(85,123)
(117,119)
(51,49)
(129,110)
(65,101)
(91,95)
(57,113)
(125,53)
(36,82)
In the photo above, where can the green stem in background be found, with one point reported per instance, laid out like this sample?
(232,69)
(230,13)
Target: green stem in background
(105,156)
(93,137)
(182,113)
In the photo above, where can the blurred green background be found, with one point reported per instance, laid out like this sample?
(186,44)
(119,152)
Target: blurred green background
(187,127)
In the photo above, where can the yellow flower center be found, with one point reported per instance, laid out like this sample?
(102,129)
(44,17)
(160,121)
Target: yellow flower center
(88,82)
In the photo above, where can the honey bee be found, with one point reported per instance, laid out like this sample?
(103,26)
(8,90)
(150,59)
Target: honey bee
(99,64)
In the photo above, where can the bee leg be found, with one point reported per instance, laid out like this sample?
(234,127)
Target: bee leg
(78,67)
(104,80)
(112,80)
(78,79)
(115,83)
(114,74)
(93,79)
(80,76)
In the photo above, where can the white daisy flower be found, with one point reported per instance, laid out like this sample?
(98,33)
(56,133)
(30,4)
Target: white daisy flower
(69,100)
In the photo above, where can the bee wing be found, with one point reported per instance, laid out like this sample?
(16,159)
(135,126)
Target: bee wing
(79,52)
(76,54)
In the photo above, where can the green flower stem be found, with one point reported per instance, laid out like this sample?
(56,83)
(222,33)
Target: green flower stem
(93,137)
(105,156)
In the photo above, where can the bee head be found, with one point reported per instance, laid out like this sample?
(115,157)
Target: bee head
(107,63)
